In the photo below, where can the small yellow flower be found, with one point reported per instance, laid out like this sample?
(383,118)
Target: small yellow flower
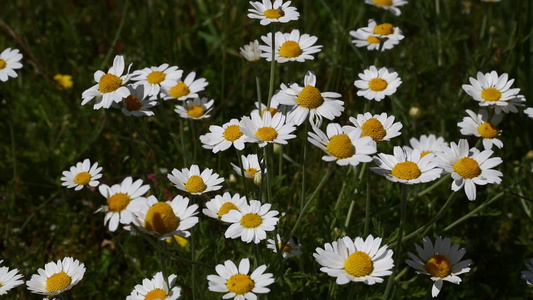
(64,81)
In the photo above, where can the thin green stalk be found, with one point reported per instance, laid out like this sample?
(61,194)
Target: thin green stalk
(117,36)
(194,139)
(367,205)
(268,157)
(163,114)
(148,142)
(135,149)
(436,184)
(243,174)
(474,211)
(182,143)
(349,214)
(193,276)
(304,152)
(272,66)
(162,260)
(257,87)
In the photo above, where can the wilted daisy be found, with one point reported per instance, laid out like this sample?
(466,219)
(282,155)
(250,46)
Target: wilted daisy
(123,200)
(528,275)
(267,129)
(292,248)
(56,278)
(221,138)
(495,91)
(426,144)
(63,81)
(407,167)
(480,126)
(221,205)
(82,174)
(342,144)
(365,39)
(138,104)
(269,12)
(154,77)
(390,5)
(236,282)
(9,279)
(251,222)
(290,46)
(251,166)
(356,260)
(376,84)
(251,51)
(529,112)
(194,182)
(378,127)
(309,101)
(9,61)
(166,219)
(186,89)
(156,288)
(441,262)
(110,87)
(469,167)
(196,109)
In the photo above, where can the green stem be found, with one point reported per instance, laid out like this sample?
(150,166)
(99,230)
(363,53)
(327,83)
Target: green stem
(136,151)
(243,174)
(367,205)
(304,154)
(163,114)
(193,275)
(258,88)
(163,261)
(117,36)
(436,184)
(272,66)
(475,211)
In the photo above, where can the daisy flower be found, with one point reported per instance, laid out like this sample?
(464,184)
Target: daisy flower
(110,87)
(194,182)
(343,144)
(82,174)
(480,126)
(9,61)
(309,101)
(355,260)
(267,129)
(236,282)
(250,222)
(63,81)
(526,275)
(426,144)
(251,51)
(376,33)
(137,103)
(290,46)
(292,248)
(9,279)
(390,5)
(56,278)
(221,205)
(154,77)
(378,127)
(221,138)
(156,288)
(442,262)
(196,109)
(365,39)
(376,84)
(167,219)
(529,112)
(469,167)
(251,166)
(274,107)
(407,167)
(492,90)
(186,89)
(269,12)
(123,200)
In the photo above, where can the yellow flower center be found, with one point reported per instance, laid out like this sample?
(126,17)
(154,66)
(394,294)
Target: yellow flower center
(109,83)
(372,40)
(273,111)
(374,129)
(161,218)
(266,133)
(310,97)
(491,94)
(487,130)
(58,282)
(82,178)
(118,202)
(156,294)
(178,239)
(358,264)
(156,77)
(64,81)
(424,153)
(377,84)
(2,64)
(251,220)
(251,173)
(290,49)
(438,266)
(179,90)
(287,247)
(273,13)
(384,29)
(383,2)
(225,208)
(132,103)
(240,284)
(406,170)
(467,167)
(232,133)
(195,184)
(340,146)
(195,111)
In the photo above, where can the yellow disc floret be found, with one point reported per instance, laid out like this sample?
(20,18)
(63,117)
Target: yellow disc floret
(310,97)
(58,282)
(377,84)
(287,247)
(272,110)
(372,40)
(225,208)
(290,49)
(82,178)
(109,83)
(118,202)
(340,146)
(467,167)
(266,134)
(3,64)
(384,29)
(179,90)
(491,94)
(156,77)
(251,220)
(424,153)
(132,103)
(273,13)
(438,266)
(250,173)
(407,170)
(195,184)
(383,2)
(161,218)
(487,130)
(156,294)
(374,129)
(358,264)
(232,133)
(195,111)
(240,284)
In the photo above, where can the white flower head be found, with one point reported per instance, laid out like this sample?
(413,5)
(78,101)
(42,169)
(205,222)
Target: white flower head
(290,46)
(187,88)
(251,51)
(378,127)
(82,174)
(154,77)
(221,205)
(251,221)
(376,36)
(292,248)
(198,108)
(251,166)
(426,144)
(138,104)
(389,5)
(9,62)
(267,129)
(273,12)
(194,182)
(9,279)
(479,125)
(221,138)
(56,278)
(262,108)
(156,288)
(375,84)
